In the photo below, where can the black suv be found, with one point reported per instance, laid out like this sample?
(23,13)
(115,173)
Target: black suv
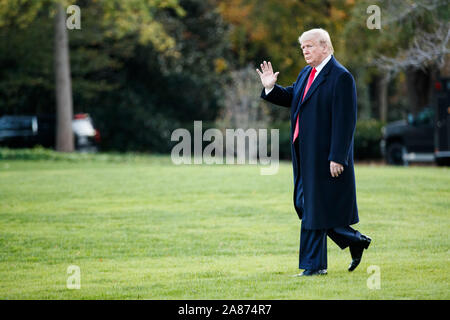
(424,137)
(28,131)
(409,140)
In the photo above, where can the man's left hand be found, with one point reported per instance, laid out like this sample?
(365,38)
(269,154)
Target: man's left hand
(336,169)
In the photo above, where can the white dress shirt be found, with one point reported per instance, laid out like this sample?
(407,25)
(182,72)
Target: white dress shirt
(318,69)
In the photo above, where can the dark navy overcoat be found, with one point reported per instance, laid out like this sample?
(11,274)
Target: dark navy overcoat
(327,120)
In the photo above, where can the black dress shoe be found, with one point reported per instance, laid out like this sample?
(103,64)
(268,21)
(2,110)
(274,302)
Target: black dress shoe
(357,250)
(308,273)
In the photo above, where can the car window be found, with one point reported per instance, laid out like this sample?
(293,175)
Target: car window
(425,117)
(15,123)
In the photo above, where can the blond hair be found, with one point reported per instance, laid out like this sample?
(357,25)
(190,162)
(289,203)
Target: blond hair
(320,35)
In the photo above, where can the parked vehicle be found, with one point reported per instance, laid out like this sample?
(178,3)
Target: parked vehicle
(18,131)
(424,137)
(86,136)
(442,127)
(28,131)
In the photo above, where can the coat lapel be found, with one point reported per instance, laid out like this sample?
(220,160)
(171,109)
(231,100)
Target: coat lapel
(316,83)
(301,88)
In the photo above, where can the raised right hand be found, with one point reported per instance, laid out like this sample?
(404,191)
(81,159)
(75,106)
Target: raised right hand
(268,78)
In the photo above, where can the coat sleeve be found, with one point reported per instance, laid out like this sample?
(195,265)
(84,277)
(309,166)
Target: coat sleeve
(343,119)
(279,95)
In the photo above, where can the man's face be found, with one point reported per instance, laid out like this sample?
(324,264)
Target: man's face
(313,52)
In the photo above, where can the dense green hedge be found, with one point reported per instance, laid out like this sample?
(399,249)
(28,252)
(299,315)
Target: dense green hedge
(367,139)
(367,146)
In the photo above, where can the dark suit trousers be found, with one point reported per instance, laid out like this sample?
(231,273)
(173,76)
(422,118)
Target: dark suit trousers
(313,245)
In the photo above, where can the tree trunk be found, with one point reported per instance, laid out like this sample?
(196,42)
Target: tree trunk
(419,87)
(382,90)
(63,85)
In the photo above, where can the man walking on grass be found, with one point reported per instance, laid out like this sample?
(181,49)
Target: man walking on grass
(323,109)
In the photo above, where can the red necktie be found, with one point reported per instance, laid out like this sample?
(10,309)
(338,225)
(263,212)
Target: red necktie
(308,85)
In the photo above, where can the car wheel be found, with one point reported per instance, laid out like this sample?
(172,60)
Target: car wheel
(394,154)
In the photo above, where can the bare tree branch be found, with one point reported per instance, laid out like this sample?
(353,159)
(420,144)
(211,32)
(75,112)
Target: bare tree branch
(398,11)
(427,48)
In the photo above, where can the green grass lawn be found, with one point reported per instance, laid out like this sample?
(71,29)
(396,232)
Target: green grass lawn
(148,229)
